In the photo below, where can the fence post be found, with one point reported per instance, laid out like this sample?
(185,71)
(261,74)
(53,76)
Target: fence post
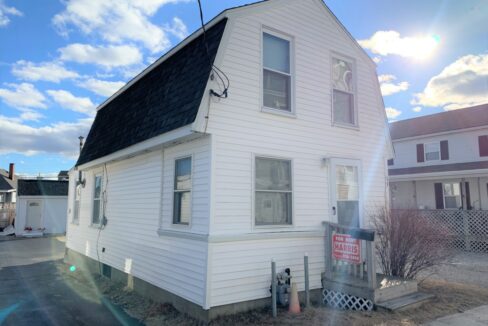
(273,288)
(328,251)
(307,285)
(371,264)
(467,242)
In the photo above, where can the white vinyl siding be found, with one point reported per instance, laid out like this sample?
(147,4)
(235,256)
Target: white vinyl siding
(277,79)
(136,208)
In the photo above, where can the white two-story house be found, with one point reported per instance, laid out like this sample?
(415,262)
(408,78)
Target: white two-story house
(202,184)
(441,161)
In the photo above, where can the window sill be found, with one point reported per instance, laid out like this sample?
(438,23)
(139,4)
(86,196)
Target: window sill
(74,223)
(345,125)
(95,226)
(287,114)
(266,228)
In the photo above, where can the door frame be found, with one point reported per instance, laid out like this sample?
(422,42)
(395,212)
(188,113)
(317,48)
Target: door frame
(333,189)
(40,201)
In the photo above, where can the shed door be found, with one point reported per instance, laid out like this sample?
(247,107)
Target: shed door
(33,219)
(346,192)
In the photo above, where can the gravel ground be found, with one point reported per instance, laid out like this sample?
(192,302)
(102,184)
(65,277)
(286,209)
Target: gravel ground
(466,267)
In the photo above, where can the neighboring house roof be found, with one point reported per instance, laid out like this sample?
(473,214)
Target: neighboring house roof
(164,99)
(471,117)
(42,188)
(6,184)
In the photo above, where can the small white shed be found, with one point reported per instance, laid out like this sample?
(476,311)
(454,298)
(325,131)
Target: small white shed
(41,207)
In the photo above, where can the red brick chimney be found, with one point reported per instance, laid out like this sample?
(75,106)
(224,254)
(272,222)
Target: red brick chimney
(11,171)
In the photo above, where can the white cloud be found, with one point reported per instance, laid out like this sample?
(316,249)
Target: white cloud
(106,56)
(390,42)
(23,95)
(463,83)
(417,109)
(30,115)
(116,21)
(392,88)
(177,28)
(5,12)
(58,138)
(388,87)
(102,87)
(392,113)
(48,71)
(68,101)
(386,78)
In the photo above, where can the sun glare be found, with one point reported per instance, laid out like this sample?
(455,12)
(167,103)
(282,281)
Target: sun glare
(424,47)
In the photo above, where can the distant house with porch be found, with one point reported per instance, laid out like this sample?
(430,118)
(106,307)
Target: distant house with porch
(8,195)
(441,161)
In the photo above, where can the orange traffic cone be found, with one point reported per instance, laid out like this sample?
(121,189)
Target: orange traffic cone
(294,307)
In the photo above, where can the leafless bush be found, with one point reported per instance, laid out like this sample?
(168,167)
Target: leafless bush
(408,243)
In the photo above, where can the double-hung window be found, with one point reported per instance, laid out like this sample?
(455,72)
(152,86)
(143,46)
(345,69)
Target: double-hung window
(76,206)
(452,195)
(343,92)
(432,151)
(273,197)
(182,191)
(97,200)
(276,73)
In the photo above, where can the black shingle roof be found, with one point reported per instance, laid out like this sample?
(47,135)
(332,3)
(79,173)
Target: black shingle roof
(42,188)
(6,184)
(166,98)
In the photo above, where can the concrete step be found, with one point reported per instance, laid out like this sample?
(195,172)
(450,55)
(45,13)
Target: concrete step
(408,301)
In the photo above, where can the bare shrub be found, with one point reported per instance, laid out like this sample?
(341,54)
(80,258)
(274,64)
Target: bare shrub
(408,243)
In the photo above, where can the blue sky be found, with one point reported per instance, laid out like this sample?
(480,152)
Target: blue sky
(60,59)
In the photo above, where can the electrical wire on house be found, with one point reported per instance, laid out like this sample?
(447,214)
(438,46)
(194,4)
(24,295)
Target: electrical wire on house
(224,80)
(103,222)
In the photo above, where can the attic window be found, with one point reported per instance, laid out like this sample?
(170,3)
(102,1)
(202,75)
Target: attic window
(276,72)
(343,92)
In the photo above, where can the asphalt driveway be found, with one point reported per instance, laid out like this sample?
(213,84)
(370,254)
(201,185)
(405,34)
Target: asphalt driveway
(36,289)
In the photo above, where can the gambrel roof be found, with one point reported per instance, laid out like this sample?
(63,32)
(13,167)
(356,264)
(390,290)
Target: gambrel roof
(164,99)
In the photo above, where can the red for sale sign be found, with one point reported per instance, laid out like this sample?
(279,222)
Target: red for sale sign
(346,248)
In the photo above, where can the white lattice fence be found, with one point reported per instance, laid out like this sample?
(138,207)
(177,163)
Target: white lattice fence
(346,301)
(469,229)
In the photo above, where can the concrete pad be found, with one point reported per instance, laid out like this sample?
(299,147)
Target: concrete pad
(35,290)
(473,317)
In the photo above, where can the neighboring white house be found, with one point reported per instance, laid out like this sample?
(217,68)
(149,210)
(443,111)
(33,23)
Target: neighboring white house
(200,190)
(441,161)
(41,207)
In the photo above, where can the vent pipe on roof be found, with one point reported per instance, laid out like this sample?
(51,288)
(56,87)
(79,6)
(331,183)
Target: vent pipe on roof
(11,171)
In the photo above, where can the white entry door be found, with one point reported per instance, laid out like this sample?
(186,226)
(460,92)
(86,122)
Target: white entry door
(33,218)
(346,192)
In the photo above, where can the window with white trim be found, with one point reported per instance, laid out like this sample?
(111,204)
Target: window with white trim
(273,192)
(343,92)
(432,151)
(182,191)
(76,204)
(276,72)
(97,200)
(452,195)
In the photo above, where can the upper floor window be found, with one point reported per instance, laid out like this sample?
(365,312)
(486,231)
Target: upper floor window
(182,191)
(483,145)
(97,200)
(273,195)
(276,72)
(432,151)
(343,92)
